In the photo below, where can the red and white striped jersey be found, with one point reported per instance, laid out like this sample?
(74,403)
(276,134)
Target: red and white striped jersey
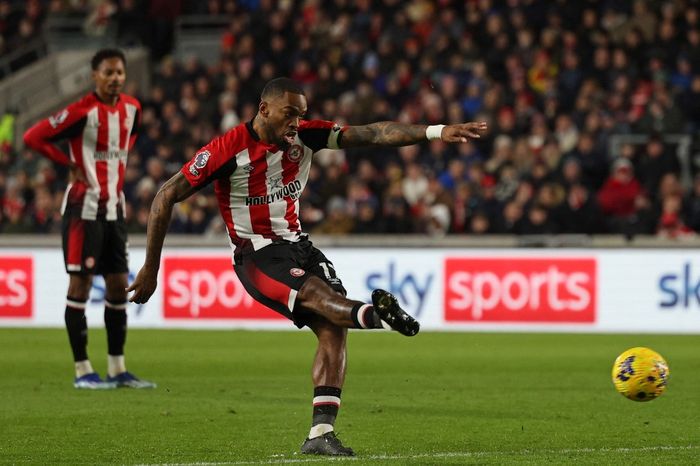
(99,139)
(257,184)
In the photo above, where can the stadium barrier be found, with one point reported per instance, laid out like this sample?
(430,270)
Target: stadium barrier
(585,289)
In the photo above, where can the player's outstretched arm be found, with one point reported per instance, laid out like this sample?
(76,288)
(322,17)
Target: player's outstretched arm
(391,133)
(174,190)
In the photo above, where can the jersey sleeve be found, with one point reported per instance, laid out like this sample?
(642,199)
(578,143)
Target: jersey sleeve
(66,124)
(320,134)
(136,126)
(215,160)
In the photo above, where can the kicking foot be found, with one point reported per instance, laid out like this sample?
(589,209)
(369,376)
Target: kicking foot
(93,381)
(326,444)
(387,307)
(129,380)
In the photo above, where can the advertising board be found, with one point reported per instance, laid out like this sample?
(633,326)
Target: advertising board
(532,290)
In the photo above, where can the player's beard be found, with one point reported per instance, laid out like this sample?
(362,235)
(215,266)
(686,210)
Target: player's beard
(281,142)
(277,138)
(114,89)
(287,139)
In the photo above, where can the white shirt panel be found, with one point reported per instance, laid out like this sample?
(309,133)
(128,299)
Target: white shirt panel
(92,195)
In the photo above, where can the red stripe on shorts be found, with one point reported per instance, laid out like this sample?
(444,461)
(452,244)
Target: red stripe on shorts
(76,239)
(268,286)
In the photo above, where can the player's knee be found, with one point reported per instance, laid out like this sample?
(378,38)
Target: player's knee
(330,335)
(319,298)
(117,293)
(79,286)
(116,287)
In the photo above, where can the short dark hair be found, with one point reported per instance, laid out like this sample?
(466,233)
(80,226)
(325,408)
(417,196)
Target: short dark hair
(104,54)
(278,86)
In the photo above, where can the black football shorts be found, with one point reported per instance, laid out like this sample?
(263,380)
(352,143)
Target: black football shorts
(94,246)
(274,274)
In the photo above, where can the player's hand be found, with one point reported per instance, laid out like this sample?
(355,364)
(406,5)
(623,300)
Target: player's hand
(144,285)
(463,131)
(76,174)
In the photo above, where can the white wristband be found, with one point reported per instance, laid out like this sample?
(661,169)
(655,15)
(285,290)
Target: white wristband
(434,132)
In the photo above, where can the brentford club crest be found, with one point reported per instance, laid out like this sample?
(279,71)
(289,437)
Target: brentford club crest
(296,272)
(294,153)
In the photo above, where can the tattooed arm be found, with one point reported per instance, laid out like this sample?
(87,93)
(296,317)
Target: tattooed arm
(174,190)
(390,133)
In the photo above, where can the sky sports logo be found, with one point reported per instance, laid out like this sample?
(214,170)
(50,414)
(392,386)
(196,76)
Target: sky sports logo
(541,290)
(680,290)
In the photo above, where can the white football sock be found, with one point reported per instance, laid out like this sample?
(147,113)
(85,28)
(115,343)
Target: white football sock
(115,365)
(83,368)
(320,429)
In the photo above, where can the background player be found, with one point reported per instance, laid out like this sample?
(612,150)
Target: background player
(260,169)
(100,128)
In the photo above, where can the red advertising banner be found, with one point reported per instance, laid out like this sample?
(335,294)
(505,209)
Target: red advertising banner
(207,288)
(542,290)
(16,287)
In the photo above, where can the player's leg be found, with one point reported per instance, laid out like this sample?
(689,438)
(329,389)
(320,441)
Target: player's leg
(297,280)
(328,375)
(114,265)
(79,252)
(115,321)
(267,283)
(317,296)
(76,322)
(384,312)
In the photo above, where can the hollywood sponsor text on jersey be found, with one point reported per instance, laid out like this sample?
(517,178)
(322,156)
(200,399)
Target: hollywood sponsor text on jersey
(111,155)
(291,190)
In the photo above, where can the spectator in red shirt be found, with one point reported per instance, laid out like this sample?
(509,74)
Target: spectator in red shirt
(623,201)
(618,194)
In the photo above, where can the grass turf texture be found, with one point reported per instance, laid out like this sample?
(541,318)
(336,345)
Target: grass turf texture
(233,397)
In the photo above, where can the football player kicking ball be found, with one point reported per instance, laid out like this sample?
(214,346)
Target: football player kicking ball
(259,170)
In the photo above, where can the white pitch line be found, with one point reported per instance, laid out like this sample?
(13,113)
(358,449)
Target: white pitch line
(438,455)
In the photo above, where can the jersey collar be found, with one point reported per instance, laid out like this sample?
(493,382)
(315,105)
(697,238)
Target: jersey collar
(119,98)
(256,137)
(253,134)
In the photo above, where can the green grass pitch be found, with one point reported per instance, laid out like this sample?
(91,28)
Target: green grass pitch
(243,397)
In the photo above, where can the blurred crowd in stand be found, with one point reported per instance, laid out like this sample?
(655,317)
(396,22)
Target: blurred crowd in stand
(554,79)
